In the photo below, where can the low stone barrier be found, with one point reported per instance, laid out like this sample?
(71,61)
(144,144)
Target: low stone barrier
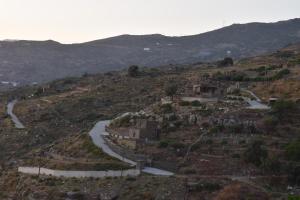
(78,174)
(125,152)
(171,166)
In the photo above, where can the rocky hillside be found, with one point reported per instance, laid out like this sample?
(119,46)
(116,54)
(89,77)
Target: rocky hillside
(38,61)
(59,115)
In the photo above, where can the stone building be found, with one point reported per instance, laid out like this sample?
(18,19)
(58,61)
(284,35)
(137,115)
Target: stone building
(207,90)
(145,130)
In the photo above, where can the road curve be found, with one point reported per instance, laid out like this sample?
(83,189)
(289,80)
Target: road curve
(255,104)
(97,134)
(10,108)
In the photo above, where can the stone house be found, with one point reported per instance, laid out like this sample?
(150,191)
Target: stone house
(233,88)
(206,90)
(144,130)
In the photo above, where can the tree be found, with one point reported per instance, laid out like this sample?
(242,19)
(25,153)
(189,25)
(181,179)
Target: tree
(226,62)
(171,90)
(133,71)
(255,153)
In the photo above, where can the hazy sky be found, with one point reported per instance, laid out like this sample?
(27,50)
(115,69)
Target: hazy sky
(70,21)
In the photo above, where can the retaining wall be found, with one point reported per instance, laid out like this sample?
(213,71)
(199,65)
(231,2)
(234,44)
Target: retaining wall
(78,174)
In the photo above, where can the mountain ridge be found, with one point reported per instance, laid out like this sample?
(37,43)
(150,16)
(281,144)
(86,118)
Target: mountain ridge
(26,61)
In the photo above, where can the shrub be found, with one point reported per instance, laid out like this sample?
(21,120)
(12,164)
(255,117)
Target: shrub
(225,62)
(272,165)
(242,142)
(130,178)
(236,155)
(281,109)
(177,145)
(293,174)
(293,197)
(209,141)
(133,71)
(255,153)
(224,142)
(281,74)
(196,103)
(270,122)
(293,151)
(166,108)
(189,171)
(196,147)
(184,103)
(122,122)
(163,144)
(210,187)
(171,90)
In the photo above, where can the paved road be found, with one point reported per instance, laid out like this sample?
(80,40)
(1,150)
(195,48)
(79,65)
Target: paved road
(255,104)
(10,108)
(97,134)
(254,95)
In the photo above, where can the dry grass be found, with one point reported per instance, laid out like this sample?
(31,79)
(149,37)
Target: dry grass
(286,89)
(238,191)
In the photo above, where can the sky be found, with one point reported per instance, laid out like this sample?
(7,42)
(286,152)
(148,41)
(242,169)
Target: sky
(74,21)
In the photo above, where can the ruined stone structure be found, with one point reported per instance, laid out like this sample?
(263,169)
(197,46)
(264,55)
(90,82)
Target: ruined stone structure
(207,90)
(233,88)
(142,132)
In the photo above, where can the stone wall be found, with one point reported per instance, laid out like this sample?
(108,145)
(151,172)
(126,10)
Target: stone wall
(125,152)
(78,174)
(140,157)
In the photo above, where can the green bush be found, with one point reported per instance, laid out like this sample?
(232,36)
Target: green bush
(133,71)
(293,197)
(281,74)
(122,122)
(270,121)
(210,187)
(272,165)
(236,155)
(189,171)
(184,103)
(196,103)
(171,90)
(177,145)
(282,109)
(293,151)
(255,153)
(163,144)
(166,108)
(209,141)
(224,142)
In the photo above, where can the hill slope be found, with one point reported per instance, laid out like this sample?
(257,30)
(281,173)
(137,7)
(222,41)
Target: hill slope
(39,61)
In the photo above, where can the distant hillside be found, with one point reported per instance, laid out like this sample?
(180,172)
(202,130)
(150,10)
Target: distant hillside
(38,61)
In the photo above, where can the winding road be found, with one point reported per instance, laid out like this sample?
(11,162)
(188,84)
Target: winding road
(97,134)
(10,108)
